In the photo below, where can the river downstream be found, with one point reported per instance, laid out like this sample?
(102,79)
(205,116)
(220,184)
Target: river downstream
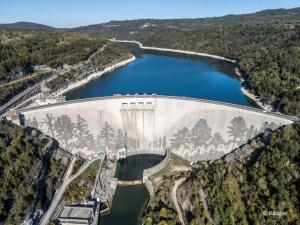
(129,201)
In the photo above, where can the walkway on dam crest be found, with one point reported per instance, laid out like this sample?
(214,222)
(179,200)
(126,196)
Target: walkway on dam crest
(154,96)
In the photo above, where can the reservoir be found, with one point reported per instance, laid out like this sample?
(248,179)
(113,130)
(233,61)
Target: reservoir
(169,75)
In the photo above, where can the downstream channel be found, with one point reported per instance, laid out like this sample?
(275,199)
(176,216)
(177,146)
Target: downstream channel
(129,201)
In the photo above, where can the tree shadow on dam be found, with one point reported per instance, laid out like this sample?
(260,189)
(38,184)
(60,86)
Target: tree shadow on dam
(132,167)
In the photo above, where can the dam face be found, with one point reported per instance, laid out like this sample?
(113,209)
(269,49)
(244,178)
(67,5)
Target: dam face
(192,128)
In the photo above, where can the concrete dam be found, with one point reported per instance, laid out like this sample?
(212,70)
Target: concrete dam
(191,128)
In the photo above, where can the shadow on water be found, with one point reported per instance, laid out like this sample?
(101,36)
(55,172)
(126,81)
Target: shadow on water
(132,168)
(127,207)
(130,201)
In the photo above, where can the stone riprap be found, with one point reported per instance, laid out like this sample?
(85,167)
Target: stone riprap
(192,128)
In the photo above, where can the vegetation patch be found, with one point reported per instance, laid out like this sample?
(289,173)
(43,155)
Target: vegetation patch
(80,189)
(31,169)
(21,49)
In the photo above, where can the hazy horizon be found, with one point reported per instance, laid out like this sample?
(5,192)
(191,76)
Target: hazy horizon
(77,13)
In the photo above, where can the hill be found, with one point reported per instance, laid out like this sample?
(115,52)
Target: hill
(26,25)
(22,49)
(120,28)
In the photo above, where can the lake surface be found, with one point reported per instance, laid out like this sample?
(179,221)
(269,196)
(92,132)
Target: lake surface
(169,75)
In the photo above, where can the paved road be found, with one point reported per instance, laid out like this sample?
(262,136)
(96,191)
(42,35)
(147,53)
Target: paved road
(174,197)
(30,89)
(93,55)
(38,73)
(18,96)
(59,193)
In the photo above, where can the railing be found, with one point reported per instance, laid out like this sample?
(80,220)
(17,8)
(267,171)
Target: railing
(149,186)
(141,152)
(153,96)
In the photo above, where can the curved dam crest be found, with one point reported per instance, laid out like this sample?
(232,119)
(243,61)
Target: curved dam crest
(193,129)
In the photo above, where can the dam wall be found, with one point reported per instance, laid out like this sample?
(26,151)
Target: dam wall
(192,128)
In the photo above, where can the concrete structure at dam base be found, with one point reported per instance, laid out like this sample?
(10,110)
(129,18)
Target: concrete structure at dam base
(191,128)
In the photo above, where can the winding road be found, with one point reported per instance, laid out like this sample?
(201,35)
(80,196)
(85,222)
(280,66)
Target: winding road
(174,197)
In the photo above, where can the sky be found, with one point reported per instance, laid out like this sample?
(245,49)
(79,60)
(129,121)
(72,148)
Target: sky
(73,13)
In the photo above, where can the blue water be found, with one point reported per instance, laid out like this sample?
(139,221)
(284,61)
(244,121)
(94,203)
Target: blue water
(169,75)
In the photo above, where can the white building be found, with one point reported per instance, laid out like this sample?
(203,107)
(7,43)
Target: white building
(83,214)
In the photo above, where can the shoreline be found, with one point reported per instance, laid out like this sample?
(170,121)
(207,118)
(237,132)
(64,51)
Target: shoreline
(244,90)
(175,51)
(250,95)
(93,76)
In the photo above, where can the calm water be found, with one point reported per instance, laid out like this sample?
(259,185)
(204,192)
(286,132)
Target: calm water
(132,168)
(127,207)
(168,75)
(129,202)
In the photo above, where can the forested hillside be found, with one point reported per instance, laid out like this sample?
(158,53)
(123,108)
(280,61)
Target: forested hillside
(31,169)
(26,25)
(266,45)
(108,55)
(261,178)
(22,49)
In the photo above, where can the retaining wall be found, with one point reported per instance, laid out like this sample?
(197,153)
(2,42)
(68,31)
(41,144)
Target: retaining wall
(152,170)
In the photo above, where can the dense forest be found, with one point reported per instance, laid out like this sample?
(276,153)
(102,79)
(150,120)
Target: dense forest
(31,168)
(112,53)
(268,55)
(262,178)
(22,49)
(265,44)
(106,56)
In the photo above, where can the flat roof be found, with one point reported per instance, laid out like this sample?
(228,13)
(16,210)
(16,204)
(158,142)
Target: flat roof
(76,212)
